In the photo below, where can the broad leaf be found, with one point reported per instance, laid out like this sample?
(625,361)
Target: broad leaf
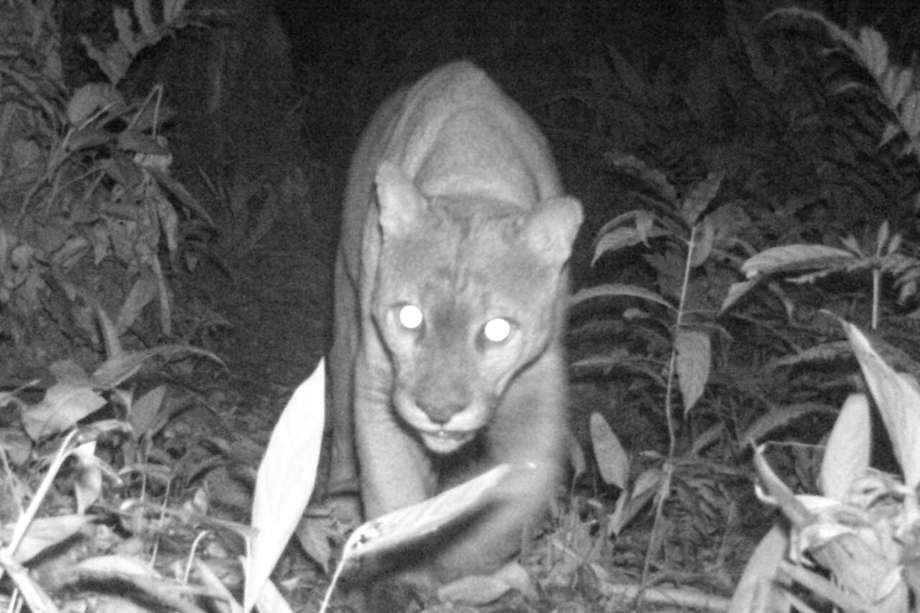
(898,399)
(285,480)
(846,456)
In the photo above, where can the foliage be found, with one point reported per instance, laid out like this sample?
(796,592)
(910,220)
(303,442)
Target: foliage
(87,205)
(773,166)
(863,525)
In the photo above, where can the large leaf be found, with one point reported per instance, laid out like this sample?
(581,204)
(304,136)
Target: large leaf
(846,456)
(285,480)
(898,399)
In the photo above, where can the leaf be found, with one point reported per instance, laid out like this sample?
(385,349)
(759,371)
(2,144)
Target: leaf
(898,399)
(635,167)
(762,587)
(46,532)
(632,80)
(910,114)
(825,352)
(142,292)
(88,482)
(631,502)
(700,196)
(735,292)
(117,369)
(613,290)
(704,238)
(425,518)
(781,417)
(794,257)
(144,411)
(285,480)
(614,240)
(271,600)
(693,364)
(211,581)
(612,460)
(63,406)
(846,456)
(90,98)
(873,51)
(144,18)
(32,593)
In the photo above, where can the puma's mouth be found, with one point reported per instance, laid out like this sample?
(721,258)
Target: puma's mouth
(445,441)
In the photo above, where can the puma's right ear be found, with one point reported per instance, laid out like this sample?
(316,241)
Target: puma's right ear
(401,204)
(551,228)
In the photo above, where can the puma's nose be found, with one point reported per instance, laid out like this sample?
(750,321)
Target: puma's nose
(441,412)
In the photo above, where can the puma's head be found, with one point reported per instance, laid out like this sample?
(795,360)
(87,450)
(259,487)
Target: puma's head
(468,292)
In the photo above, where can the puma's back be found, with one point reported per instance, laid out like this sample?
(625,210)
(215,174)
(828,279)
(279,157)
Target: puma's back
(450,294)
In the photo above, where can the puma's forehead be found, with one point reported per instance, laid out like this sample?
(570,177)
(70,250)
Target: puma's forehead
(466,254)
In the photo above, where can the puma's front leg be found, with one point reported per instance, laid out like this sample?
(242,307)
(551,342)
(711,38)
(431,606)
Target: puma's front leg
(395,470)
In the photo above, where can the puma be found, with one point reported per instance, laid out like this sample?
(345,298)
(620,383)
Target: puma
(450,294)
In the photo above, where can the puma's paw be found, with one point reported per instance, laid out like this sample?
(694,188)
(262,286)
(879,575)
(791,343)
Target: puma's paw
(484,589)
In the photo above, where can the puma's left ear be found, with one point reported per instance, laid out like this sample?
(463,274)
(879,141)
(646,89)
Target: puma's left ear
(551,228)
(400,202)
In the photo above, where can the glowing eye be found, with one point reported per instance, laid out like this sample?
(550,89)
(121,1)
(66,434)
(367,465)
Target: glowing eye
(497,330)
(410,317)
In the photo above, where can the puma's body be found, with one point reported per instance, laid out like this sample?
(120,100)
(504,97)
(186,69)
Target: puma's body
(454,218)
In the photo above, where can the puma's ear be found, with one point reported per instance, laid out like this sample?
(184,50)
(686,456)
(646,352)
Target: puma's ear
(400,202)
(551,229)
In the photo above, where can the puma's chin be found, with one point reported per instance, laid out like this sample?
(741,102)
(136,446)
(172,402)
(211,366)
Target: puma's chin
(445,441)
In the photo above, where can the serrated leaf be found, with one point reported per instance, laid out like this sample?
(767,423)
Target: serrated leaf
(285,480)
(794,257)
(898,399)
(846,456)
(612,459)
(700,196)
(614,290)
(693,364)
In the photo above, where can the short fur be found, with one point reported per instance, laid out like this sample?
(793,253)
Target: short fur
(454,206)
